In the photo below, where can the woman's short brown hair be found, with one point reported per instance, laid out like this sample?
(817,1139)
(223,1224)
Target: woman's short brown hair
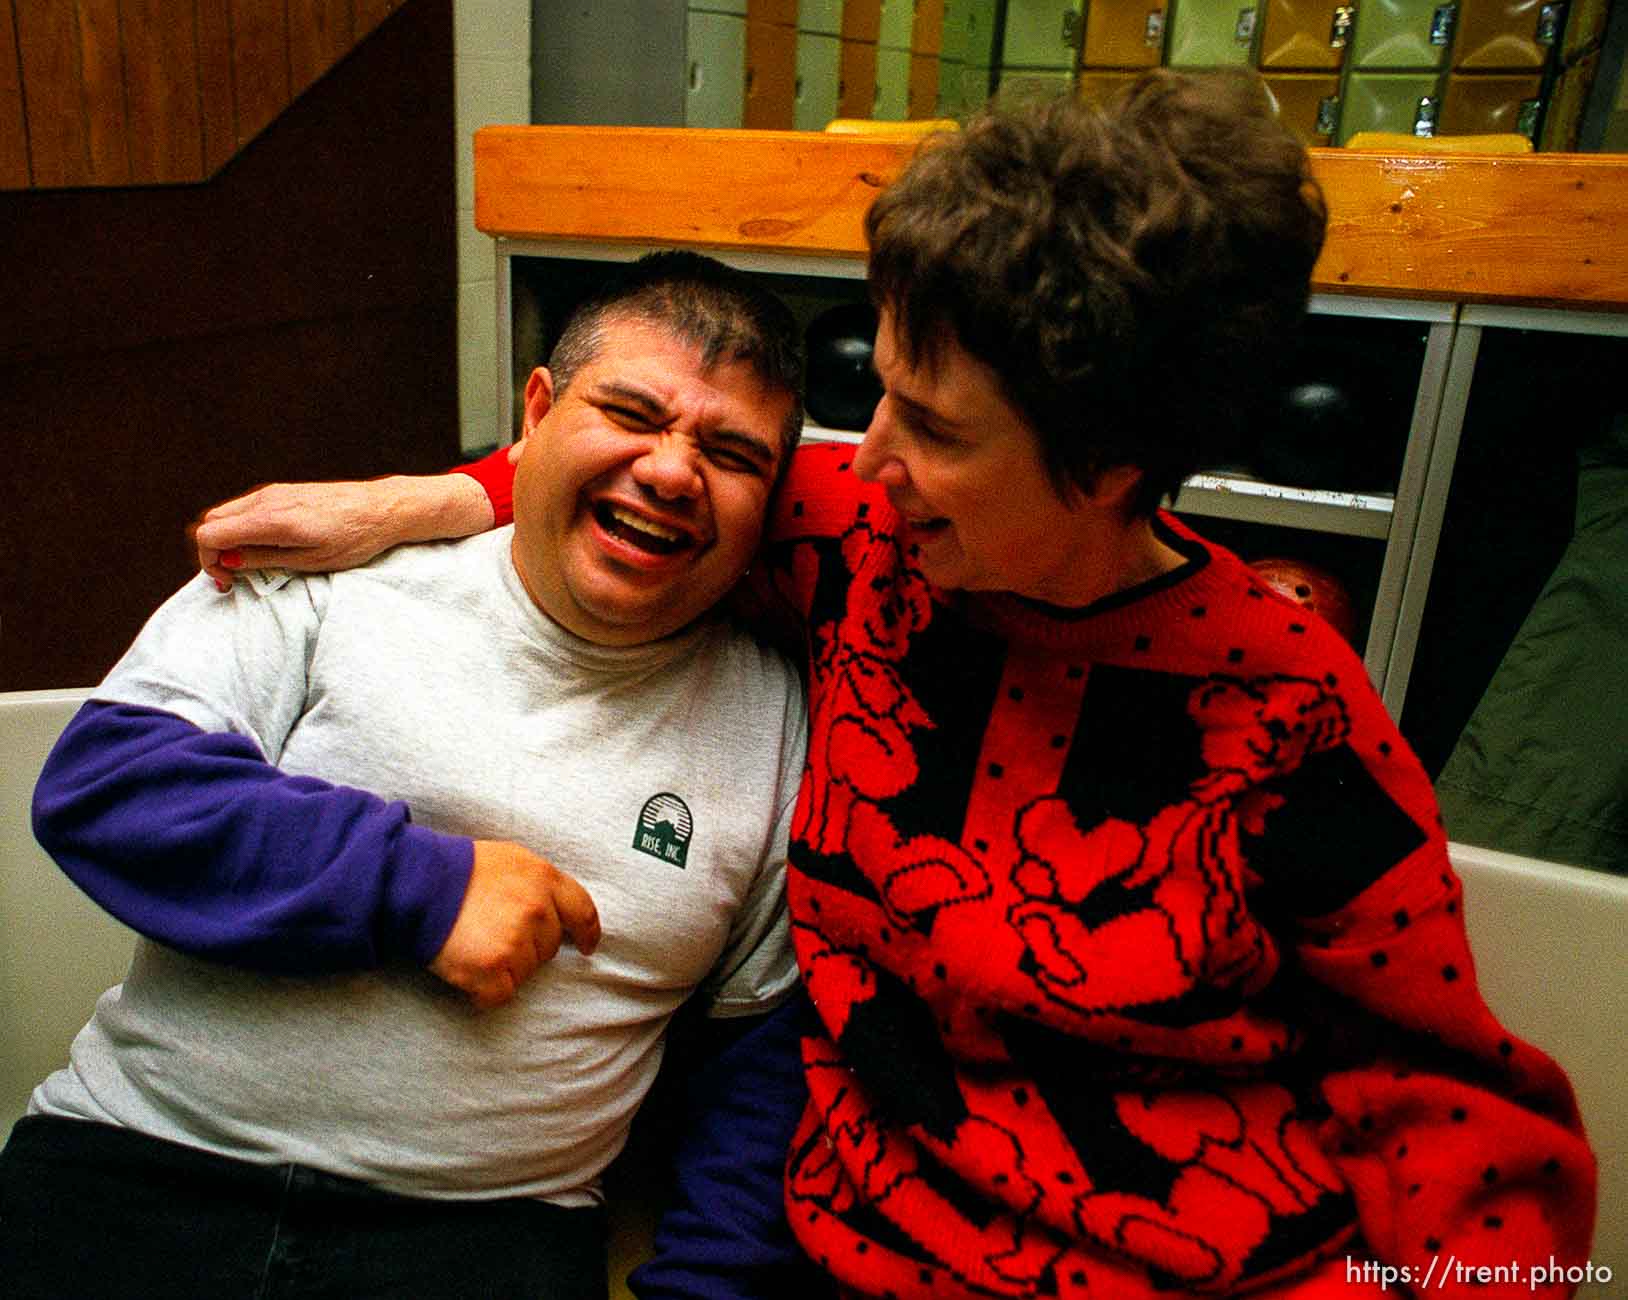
(1128,271)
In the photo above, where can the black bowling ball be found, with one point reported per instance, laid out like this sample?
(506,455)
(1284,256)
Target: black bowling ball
(842,386)
(1325,436)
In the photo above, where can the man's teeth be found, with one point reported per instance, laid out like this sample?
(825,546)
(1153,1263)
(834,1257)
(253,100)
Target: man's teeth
(640,524)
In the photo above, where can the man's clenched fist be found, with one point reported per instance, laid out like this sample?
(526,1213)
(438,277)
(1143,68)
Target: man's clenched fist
(516,913)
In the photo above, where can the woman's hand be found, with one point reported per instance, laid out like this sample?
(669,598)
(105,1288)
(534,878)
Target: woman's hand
(321,527)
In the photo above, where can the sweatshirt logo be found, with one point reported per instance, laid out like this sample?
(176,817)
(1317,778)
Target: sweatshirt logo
(664,829)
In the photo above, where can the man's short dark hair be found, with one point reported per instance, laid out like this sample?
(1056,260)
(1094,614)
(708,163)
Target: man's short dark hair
(1128,271)
(725,313)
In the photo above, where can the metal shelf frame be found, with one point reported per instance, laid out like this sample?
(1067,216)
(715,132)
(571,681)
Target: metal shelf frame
(1408,523)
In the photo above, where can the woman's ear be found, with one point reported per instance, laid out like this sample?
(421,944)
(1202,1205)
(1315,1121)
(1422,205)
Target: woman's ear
(1113,488)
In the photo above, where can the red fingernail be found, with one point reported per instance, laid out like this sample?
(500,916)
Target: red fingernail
(231,559)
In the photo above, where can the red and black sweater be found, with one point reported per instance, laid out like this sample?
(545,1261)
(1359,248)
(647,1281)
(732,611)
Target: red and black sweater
(1136,947)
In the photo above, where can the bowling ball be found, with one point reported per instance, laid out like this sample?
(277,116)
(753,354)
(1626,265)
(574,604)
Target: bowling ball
(1324,436)
(1313,588)
(842,386)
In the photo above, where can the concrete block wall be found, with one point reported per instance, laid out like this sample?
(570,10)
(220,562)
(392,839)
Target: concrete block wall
(492,68)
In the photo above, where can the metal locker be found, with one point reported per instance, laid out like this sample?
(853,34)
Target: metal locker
(1402,34)
(1308,103)
(569,81)
(1406,102)
(861,20)
(1563,114)
(715,76)
(1211,33)
(962,88)
(856,79)
(818,68)
(898,17)
(771,76)
(927,33)
(783,12)
(892,85)
(1306,35)
(1123,34)
(1041,34)
(1585,28)
(1506,33)
(1026,85)
(969,33)
(1490,104)
(923,97)
(1095,87)
(823,16)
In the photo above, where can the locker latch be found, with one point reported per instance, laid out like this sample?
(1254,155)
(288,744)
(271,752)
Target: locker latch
(1551,18)
(1345,16)
(1441,24)
(1244,31)
(1328,114)
(1071,27)
(1153,29)
(1424,120)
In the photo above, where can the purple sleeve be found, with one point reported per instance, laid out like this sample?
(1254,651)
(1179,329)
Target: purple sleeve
(193,839)
(725,1233)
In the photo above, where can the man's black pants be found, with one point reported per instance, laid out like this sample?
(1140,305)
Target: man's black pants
(88,1210)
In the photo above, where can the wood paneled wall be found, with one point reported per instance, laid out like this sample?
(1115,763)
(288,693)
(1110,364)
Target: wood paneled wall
(166,347)
(153,92)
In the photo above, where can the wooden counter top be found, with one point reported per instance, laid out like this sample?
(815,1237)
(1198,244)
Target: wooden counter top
(1536,229)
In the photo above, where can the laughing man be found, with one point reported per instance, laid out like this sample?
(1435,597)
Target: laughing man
(426,855)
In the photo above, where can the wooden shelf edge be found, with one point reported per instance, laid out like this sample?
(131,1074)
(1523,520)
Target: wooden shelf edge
(1532,230)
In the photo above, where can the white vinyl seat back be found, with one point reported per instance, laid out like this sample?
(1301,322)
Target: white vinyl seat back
(1551,952)
(58,951)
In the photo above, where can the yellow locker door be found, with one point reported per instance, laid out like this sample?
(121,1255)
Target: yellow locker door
(1305,35)
(1123,34)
